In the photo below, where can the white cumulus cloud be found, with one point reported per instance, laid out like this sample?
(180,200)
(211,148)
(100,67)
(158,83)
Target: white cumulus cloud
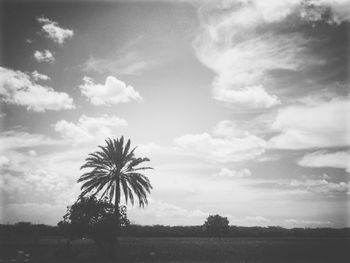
(18,88)
(113,91)
(38,76)
(89,129)
(53,31)
(44,56)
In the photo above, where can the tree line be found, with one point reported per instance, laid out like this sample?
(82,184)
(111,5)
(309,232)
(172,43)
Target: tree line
(27,229)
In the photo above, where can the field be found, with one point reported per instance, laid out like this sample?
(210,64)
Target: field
(242,250)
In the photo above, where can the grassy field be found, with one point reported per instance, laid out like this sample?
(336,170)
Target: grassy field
(242,250)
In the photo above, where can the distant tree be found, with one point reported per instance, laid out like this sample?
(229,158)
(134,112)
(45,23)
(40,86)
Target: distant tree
(90,217)
(216,225)
(113,170)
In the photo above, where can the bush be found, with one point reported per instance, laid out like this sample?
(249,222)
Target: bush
(89,217)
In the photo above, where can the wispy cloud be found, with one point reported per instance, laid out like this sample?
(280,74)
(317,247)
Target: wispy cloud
(309,223)
(315,124)
(230,47)
(322,186)
(340,159)
(128,64)
(221,149)
(240,42)
(4,161)
(18,88)
(17,139)
(53,31)
(225,172)
(129,59)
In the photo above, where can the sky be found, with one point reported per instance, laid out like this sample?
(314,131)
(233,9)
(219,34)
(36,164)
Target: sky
(242,107)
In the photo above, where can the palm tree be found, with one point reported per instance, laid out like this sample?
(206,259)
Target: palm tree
(112,168)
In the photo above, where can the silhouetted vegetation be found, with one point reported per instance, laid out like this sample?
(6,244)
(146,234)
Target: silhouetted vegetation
(216,226)
(93,218)
(28,229)
(113,170)
(234,231)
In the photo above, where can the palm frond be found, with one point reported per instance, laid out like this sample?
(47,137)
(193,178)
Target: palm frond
(114,169)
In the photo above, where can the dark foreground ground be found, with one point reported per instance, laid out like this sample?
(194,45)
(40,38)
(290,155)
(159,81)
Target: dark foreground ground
(242,250)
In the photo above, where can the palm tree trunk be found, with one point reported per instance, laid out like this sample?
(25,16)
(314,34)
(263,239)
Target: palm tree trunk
(116,205)
(115,244)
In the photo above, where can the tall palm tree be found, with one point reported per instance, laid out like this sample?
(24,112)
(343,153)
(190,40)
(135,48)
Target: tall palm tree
(114,168)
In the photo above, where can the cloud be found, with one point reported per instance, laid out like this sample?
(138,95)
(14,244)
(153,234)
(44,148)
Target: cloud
(222,150)
(227,128)
(37,196)
(160,212)
(44,56)
(114,91)
(340,11)
(313,125)
(18,88)
(38,76)
(321,186)
(39,181)
(40,170)
(229,45)
(125,64)
(14,139)
(225,172)
(32,212)
(53,31)
(302,223)
(149,148)
(254,12)
(4,161)
(255,220)
(250,96)
(241,42)
(238,80)
(127,60)
(339,159)
(32,153)
(89,129)
(258,219)
(258,124)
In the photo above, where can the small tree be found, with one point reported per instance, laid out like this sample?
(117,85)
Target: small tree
(90,217)
(216,226)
